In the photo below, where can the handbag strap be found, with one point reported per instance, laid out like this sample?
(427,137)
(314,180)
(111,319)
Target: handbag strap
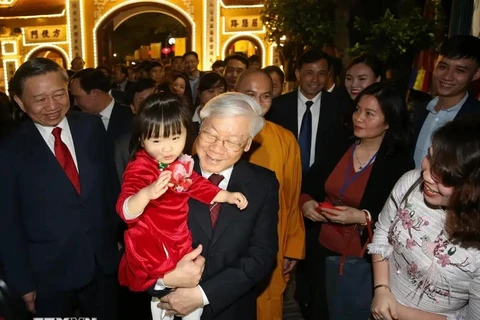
(409,191)
(354,233)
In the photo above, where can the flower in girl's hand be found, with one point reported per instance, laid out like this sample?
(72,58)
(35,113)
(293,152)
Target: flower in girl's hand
(181,171)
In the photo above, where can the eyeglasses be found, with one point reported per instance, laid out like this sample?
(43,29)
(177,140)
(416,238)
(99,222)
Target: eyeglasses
(228,145)
(262,97)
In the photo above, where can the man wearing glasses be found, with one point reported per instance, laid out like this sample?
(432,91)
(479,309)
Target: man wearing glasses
(239,246)
(276,148)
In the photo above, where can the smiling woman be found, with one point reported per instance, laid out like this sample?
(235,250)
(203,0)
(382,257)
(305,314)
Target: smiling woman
(427,237)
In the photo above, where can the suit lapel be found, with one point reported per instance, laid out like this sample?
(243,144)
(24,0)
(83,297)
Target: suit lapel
(39,149)
(241,176)
(200,211)
(79,138)
(294,118)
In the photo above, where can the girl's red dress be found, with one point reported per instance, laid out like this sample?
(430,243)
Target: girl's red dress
(161,228)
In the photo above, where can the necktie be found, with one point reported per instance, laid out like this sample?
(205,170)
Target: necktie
(215,208)
(305,137)
(65,159)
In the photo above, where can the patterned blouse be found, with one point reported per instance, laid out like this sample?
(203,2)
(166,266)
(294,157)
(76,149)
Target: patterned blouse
(426,270)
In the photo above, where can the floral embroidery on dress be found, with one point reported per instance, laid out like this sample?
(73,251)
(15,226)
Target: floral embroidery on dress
(439,251)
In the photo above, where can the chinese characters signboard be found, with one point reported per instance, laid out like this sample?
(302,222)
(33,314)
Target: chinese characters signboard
(246,23)
(45,34)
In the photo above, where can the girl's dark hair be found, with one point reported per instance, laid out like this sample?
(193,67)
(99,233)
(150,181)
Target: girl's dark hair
(371,61)
(160,114)
(210,80)
(394,110)
(455,161)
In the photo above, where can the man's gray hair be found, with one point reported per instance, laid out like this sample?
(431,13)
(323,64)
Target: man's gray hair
(233,104)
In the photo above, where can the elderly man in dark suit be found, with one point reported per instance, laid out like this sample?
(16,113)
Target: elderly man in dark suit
(90,89)
(57,189)
(240,249)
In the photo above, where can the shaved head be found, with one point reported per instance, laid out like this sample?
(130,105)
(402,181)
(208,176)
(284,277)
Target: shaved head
(258,85)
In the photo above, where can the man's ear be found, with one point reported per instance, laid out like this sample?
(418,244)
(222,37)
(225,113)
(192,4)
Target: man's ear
(19,102)
(248,145)
(297,74)
(132,107)
(476,75)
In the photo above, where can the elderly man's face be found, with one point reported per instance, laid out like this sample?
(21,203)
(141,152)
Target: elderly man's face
(232,133)
(45,98)
(259,87)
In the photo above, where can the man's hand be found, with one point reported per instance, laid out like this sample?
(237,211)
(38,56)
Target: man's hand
(182,301)
(288,265)
(187,272)
(29,299)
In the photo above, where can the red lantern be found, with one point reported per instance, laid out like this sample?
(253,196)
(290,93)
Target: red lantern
(166,50)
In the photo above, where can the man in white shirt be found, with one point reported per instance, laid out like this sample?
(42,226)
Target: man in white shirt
(240,249)
(90,89)
(57,189)
(310,112)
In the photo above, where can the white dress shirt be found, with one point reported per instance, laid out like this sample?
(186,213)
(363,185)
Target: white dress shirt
(196,115)
(227,173)
(66,135)
(315,109)
(331,88)
(106,113)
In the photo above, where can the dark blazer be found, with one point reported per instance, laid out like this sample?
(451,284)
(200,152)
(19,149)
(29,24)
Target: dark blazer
(241,251)
(121,121)
(121,154)
(471,106)
(128,85)
(52,238)
(284,112)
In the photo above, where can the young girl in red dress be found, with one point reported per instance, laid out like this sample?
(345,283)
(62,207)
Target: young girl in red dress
(157,184)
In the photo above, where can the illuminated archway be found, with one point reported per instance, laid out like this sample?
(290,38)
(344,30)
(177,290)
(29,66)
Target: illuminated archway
(257,42)
(51,52)
(105,25)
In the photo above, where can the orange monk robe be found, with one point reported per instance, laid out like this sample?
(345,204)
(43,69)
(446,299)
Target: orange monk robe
(276,148)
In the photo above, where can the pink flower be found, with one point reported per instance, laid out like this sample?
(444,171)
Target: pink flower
(181,172)
(443,259)
(412,269)
(403,213)
(410,243)
(426,223)
(407,223)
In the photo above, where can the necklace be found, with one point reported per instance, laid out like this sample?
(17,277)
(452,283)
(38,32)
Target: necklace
(363,164)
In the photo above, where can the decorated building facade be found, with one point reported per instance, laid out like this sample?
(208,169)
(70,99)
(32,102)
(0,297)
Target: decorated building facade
(64,29)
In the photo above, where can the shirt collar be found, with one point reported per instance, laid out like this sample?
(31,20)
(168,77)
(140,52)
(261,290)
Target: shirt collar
(195,76)
(227,173)
(331,88)
(303,99)
(196,115)
(46,131)
(107,112)
(433,103)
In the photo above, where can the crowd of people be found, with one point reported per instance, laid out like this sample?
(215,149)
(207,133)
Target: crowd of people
(369,209)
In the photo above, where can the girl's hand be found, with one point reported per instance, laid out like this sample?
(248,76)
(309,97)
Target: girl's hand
(344,215)
(309,210)
(384,305)
(238,199)
(159,187)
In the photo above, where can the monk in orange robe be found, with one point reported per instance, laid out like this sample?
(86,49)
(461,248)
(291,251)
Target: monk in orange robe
(276,148)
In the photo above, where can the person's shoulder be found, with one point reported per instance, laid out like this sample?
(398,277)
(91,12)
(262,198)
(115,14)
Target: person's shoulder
(282,133)
(407,180)
(285,97)
(258,172)
(86,121)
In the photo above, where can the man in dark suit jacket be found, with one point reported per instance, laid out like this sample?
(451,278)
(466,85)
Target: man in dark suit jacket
(120,78)
(90,89)
(57,189)
(457,66)
(290,110)
(240,249)
(140,91)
